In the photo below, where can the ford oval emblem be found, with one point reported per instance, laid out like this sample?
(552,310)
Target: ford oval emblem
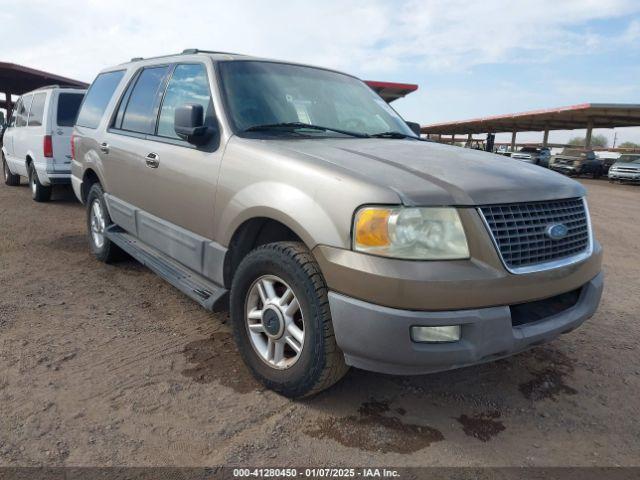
(557,231)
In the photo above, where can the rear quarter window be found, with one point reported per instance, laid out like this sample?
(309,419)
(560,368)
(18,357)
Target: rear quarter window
(98,97)
(37,110)
(68,106)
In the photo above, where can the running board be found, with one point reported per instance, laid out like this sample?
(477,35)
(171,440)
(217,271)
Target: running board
(208,294)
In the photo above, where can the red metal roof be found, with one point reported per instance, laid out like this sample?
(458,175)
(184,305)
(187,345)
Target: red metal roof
(601,115)
(391,91)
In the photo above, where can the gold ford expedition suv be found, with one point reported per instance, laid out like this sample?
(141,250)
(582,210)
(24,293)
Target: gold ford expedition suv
(336,236)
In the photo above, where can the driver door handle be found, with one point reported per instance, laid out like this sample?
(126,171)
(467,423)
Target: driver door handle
(152,160)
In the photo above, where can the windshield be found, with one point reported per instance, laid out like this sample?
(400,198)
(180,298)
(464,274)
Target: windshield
(629,159)
(264,93)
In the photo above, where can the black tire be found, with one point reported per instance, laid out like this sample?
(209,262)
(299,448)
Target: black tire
(9,178)
(108,252)
(39,192)
(321,363)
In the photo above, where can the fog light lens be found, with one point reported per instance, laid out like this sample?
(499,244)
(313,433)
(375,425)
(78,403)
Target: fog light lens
(449,333)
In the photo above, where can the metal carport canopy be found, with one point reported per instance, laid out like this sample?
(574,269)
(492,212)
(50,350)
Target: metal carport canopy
(586,115)
(17,79)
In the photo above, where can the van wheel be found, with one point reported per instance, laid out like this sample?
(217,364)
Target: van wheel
(597,173)
(282,322)
(9,178)
(98,220)
(39,192)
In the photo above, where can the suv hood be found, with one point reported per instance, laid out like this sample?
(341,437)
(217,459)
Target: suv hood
(428,173)
(627,165)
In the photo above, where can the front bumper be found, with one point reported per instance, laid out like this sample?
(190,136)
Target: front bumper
(377,338)
(624,176)
(566,170)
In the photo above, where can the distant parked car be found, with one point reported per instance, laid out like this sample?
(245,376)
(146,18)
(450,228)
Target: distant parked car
(626,168)
(575,161)
(538,156)
(37,141)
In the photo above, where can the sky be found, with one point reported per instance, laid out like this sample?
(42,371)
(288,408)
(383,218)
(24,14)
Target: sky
(470,59)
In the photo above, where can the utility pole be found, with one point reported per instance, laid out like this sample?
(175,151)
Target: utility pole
(615,137)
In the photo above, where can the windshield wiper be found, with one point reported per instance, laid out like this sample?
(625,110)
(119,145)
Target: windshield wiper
(392,135)
(300,125)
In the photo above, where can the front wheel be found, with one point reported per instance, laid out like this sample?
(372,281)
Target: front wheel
(9,178)
(282,322)
(98,220)
(39,192)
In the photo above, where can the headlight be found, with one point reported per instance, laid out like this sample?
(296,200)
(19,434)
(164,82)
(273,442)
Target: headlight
(430,233)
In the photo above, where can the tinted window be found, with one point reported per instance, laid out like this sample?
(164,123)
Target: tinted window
(188,84)
(97,98)
(23,110)
(37,110)
(140,111)
(68,106)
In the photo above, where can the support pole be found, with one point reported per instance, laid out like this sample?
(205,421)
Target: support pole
(545,139)
(513,141)
(587,140)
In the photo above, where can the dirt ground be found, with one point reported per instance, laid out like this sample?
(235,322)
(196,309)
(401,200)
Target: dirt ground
(110,365)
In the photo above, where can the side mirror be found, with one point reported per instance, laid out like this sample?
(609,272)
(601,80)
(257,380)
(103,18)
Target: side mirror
(189,124)
(415,127)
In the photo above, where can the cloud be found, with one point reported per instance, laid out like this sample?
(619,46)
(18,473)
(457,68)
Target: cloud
(78,39)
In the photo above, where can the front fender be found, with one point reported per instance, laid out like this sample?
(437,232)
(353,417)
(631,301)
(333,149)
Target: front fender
(286,204)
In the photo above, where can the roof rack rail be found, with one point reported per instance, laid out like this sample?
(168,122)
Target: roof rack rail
(191,51)
(57,85)
(187,51)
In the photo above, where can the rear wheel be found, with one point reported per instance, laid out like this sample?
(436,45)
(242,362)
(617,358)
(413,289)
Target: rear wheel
(39,192)
(98,220)
(9,178)
(282,323)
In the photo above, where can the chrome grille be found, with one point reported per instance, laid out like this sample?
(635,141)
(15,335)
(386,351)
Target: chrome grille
(519,231)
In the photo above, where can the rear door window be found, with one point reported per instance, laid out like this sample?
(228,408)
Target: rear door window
(140,111)
(68,106)
(98,98)
(37,110)
(188,84)
(23,111)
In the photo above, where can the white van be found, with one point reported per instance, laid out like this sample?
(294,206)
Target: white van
(37,141)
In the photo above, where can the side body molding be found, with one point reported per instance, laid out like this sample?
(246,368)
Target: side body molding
(200,254)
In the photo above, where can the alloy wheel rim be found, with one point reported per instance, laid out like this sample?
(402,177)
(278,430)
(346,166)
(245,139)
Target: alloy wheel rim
(98,223)
(275,322)
(34,187)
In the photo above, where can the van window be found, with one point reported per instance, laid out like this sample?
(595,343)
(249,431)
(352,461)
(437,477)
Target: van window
(21,117)
(14,113)
(140,110)
(98,97)
(188,84)
(37,110)
(68,106)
